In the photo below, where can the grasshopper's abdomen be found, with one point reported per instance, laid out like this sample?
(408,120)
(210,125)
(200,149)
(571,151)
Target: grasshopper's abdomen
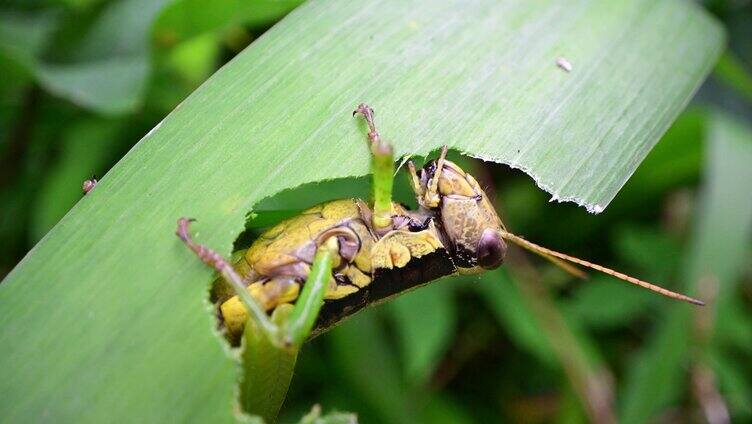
(277,264)
(369,267)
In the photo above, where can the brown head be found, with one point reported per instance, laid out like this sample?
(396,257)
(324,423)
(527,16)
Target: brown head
(467,217)
(475,232)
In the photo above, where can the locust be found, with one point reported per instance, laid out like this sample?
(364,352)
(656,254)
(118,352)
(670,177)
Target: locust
(310,272)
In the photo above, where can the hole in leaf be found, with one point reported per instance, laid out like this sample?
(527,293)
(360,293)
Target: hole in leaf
(259,362)
(266,373)
(285,205)
(290,203)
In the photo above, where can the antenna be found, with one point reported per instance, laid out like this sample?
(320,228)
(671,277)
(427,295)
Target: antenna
(551,254)
(571,269)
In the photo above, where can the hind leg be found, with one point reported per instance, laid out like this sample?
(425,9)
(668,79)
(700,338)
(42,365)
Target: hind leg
(292,331)
(268,294)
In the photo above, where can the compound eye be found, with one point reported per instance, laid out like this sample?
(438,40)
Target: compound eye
(491,249)
(428,171)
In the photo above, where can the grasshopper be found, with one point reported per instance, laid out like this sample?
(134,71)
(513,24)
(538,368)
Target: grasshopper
(375,251)
(338,257)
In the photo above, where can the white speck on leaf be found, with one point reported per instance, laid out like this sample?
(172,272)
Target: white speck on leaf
(564,64)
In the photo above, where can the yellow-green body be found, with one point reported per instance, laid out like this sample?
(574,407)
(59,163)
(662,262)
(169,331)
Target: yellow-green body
(277,264)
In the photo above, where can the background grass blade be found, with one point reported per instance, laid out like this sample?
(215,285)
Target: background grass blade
(107,317)
(110,67)
(424,337)
(718,252)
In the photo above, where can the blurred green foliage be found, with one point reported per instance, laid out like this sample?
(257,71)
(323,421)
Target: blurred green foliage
(85,79)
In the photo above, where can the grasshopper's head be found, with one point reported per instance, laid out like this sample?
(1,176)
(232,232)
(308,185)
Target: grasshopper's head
(467,217)
(474,231)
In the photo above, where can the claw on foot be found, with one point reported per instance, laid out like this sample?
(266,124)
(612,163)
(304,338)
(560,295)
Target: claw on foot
(367,113)
(207,256)
(364,110)
(182,231)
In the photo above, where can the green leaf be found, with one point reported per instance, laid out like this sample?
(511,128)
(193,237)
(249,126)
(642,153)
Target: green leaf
(106,71)
(185,19)
(111,65)
(194,59)
(107,315)
(511,311)
(656,377)
(733,384)
(424,321)
(315,417)
(113,85)
(444,410)
(603,303)
(676,160)
(24,35)
(732,71)
(370,369)
(734,325)
(268,370)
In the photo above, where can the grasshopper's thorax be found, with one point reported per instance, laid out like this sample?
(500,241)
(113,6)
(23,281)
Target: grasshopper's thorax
(469,220)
